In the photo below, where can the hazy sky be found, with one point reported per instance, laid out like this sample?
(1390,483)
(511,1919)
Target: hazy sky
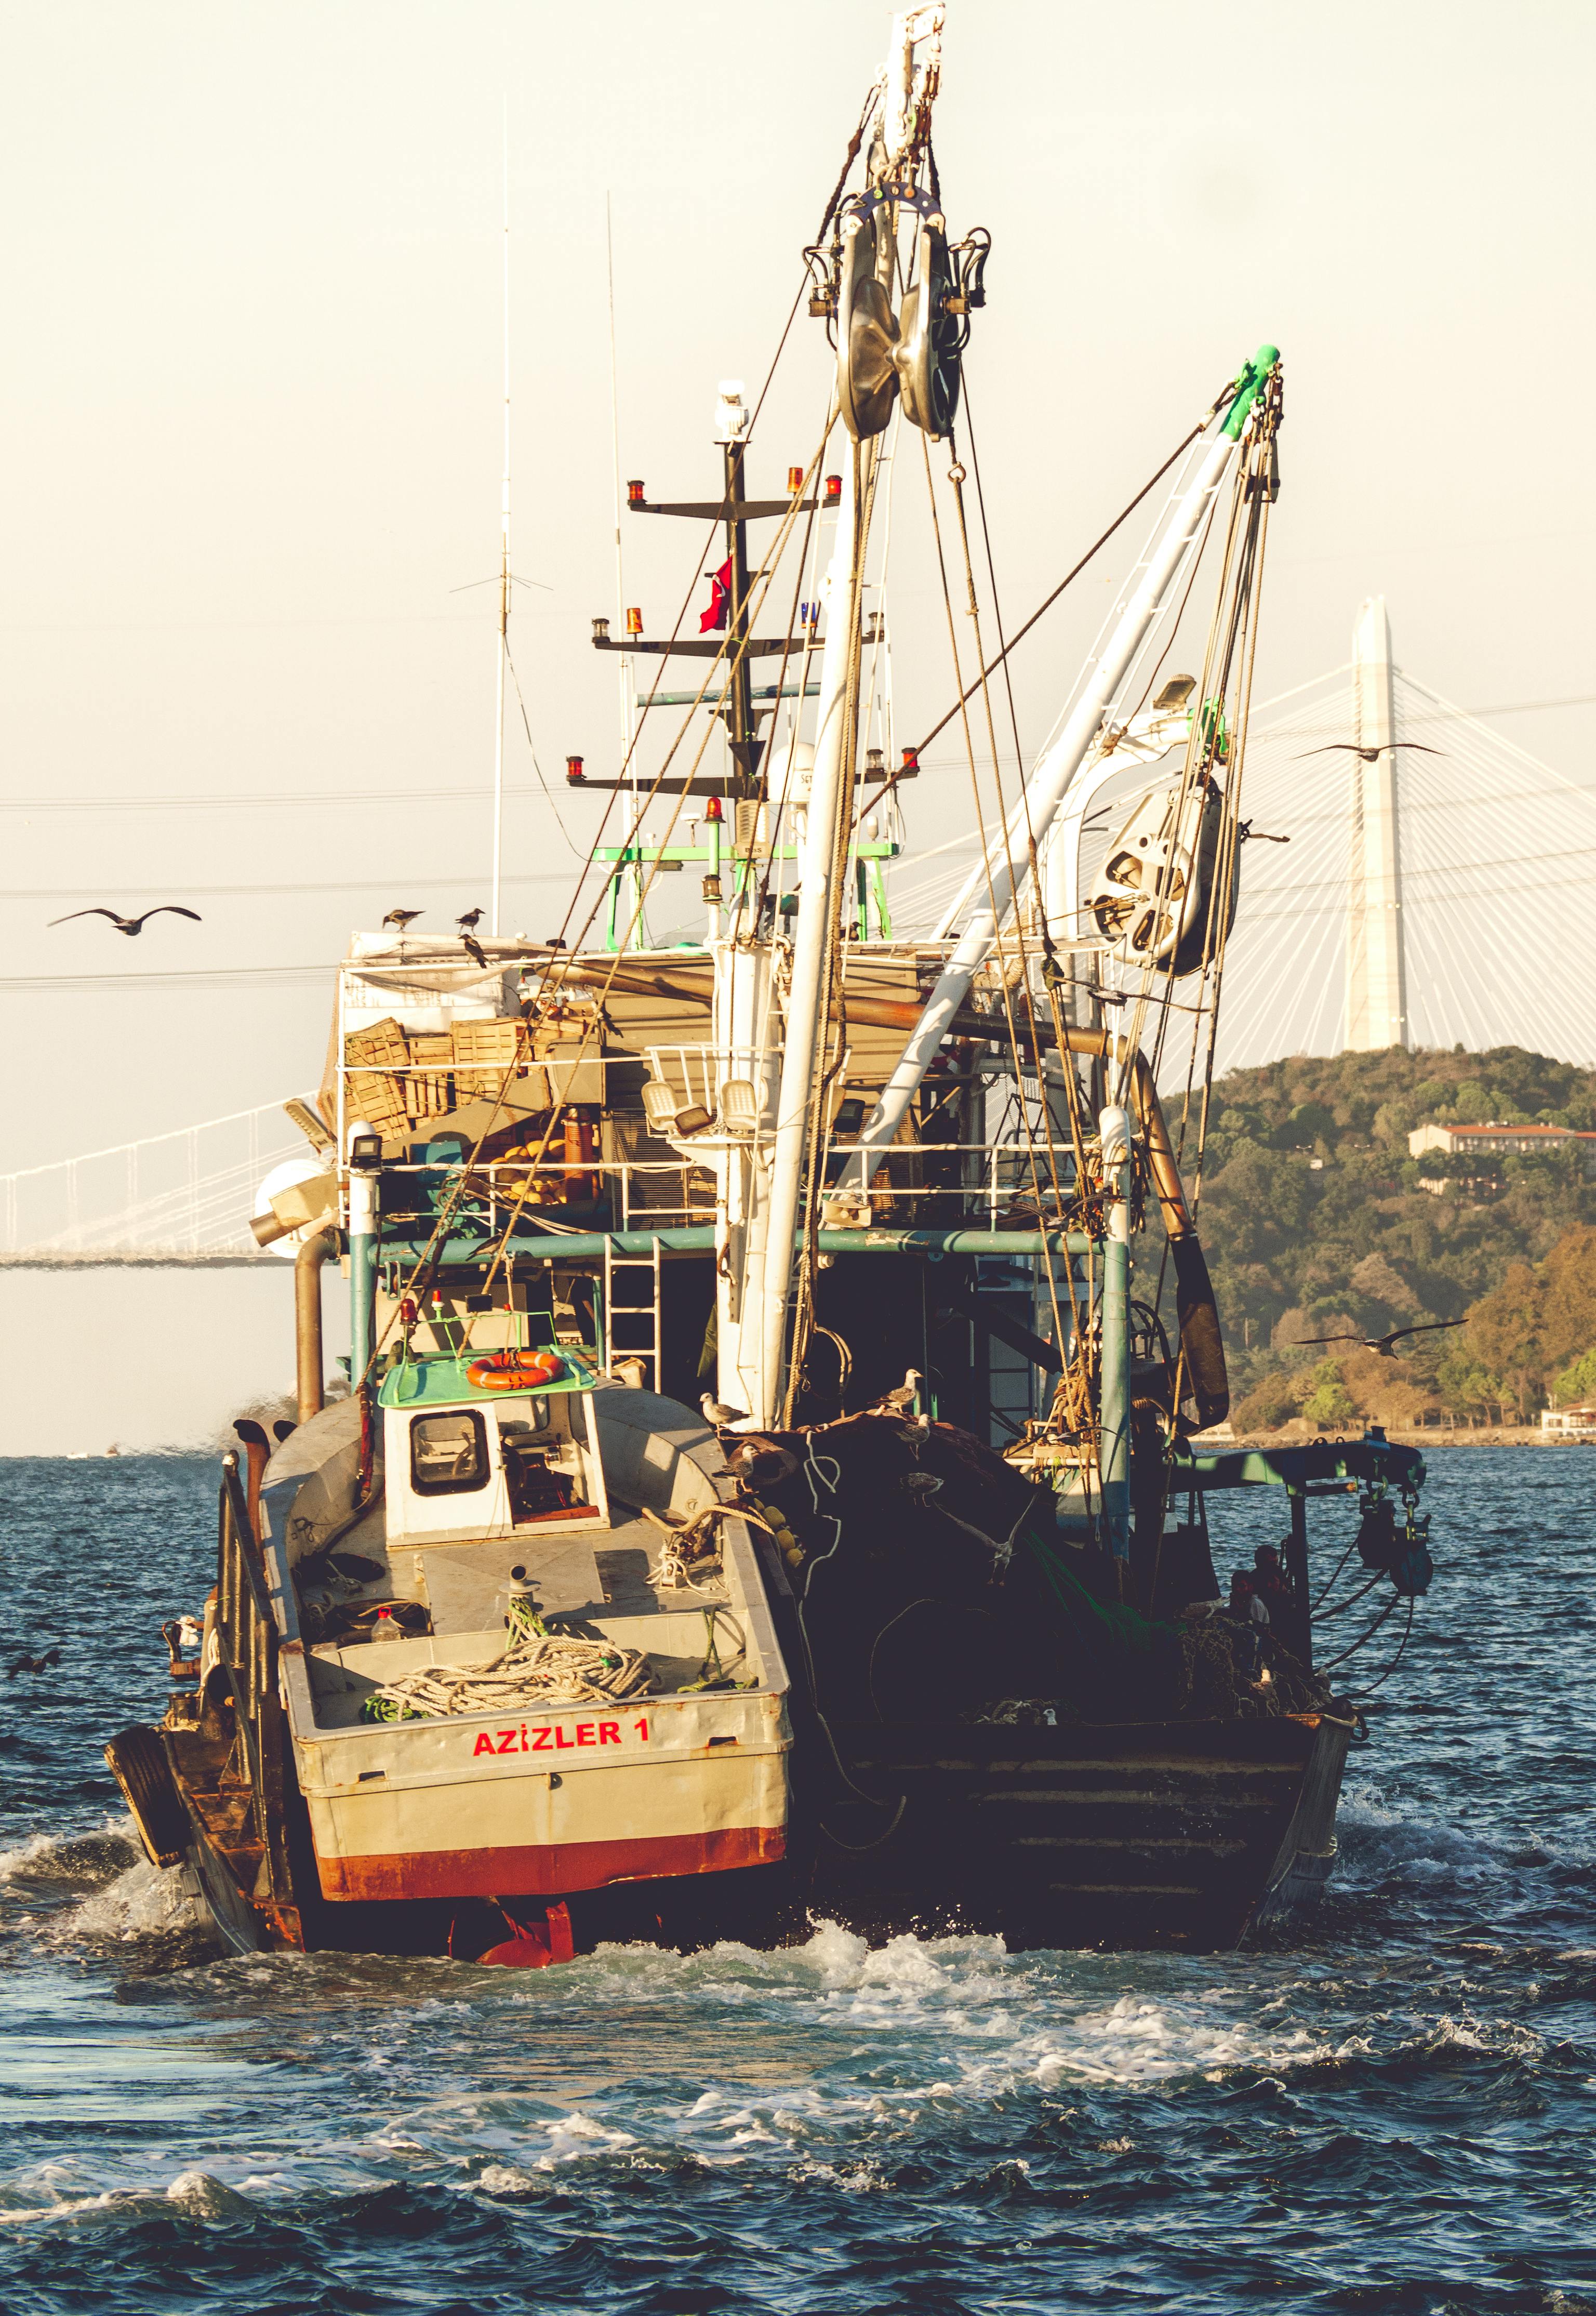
(250,371)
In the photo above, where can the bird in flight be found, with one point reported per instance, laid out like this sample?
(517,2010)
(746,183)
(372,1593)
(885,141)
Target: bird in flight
(469,923)
(1368,755)
(1380,1343)
(34,1664)
(474,949)
(399,917)
(130,925)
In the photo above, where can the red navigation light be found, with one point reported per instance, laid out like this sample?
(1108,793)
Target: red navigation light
(575,772)
(634,495)
(712,810)
(911,765)
(634,619)
(833,489)
(795,480)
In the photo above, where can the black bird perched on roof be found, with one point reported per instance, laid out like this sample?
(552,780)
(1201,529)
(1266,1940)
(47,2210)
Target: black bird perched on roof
(34,1664)
(1380,1343)
(474,949)
(1369,756)
(399,917)
(469,923)
(131,925)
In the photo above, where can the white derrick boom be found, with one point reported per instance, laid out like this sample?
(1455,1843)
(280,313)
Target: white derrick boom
(1045,789)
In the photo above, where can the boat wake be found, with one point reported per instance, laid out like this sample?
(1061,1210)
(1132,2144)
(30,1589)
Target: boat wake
(95,1892)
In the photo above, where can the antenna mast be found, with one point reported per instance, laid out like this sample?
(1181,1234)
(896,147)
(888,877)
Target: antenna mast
(624,667)
(504,565)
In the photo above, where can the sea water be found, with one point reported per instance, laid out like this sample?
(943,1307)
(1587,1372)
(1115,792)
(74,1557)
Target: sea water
(1388,2105)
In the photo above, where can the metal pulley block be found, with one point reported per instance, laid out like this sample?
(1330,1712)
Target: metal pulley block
(1155,899)
(866,326)
(931,336)
(919,353)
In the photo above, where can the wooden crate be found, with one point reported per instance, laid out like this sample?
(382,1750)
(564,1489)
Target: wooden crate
(430,1088)
(375,1058)
(483,1052)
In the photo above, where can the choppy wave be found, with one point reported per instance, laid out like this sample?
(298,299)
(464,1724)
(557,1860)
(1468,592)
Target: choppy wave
(1383,2106)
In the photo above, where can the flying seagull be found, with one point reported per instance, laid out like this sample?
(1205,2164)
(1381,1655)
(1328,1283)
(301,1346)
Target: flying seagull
(1369,756)
(399,917)
(473,949)
(130,925)
(1380,1343)
(34,1664)
(469,923)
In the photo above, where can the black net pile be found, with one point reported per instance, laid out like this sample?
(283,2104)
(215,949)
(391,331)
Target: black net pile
(933,1585)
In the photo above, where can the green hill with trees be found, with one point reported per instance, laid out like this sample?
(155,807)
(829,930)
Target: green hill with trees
(1316,1222)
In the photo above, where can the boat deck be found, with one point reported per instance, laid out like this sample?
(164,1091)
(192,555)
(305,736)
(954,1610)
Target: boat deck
(597,1581)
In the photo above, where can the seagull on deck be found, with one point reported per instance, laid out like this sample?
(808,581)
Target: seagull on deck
(900,1396)
(1380,1343)
(399,917)
(469,923)
(131,925)
(716,1411)
(1368,755)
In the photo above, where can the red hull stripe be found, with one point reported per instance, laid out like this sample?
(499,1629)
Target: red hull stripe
(547,1870)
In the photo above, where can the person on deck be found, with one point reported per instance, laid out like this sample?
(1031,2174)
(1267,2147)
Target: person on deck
(1245,1600)
(1269,1581)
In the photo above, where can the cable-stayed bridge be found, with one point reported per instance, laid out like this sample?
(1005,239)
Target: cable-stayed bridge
(1443,893)
(1438,888)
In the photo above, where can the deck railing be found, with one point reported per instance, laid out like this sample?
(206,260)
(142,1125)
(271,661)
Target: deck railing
(247,1631)
(993,1175)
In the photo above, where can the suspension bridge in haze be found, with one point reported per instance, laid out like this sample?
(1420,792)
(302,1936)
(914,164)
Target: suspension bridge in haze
(1438,889)
(182,1200)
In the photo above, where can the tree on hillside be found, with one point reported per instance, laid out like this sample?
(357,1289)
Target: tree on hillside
(1540,1317)
(1315,1222)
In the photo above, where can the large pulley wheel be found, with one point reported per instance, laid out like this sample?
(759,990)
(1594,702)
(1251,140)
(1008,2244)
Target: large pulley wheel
(866,326)
(1155,901)
(929,343)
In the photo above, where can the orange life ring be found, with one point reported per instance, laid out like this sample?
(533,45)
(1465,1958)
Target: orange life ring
(514,1370)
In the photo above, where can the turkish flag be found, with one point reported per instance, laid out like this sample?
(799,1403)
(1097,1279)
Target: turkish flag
(720,600)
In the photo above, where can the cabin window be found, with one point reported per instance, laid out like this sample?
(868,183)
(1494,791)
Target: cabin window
(448,1454)
(528,1415)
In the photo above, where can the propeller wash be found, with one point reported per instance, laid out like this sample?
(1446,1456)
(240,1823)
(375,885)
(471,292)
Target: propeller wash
(773,1476)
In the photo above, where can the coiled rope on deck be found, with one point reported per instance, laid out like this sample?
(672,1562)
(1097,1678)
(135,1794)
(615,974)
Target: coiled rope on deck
(537,1669)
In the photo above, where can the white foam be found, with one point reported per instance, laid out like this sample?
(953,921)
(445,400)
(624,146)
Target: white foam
(87,1856)
(205,2196)
(144,1900)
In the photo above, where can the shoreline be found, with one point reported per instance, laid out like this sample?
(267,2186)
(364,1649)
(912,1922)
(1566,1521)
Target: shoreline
(1515,1435)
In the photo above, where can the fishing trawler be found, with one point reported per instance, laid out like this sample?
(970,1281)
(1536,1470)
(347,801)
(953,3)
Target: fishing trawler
(772,1478)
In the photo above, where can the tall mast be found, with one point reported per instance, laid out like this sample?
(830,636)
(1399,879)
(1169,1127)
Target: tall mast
(504,567)
(902,128)
(830,793)
(623,666)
